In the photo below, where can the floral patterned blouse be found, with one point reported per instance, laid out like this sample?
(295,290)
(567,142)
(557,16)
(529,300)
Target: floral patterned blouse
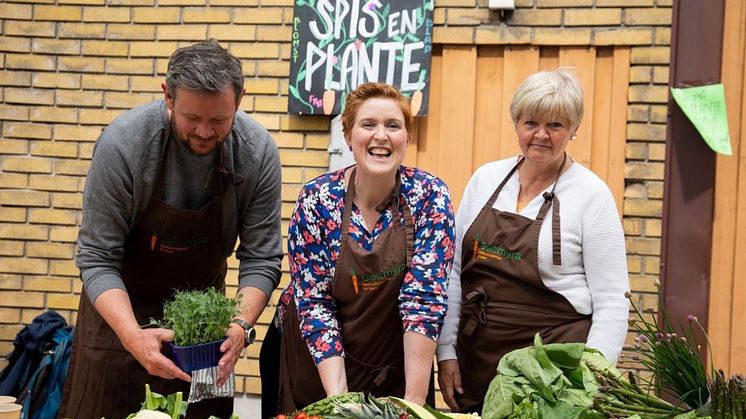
(314,238)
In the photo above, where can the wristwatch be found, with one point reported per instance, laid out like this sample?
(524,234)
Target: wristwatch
(249,329)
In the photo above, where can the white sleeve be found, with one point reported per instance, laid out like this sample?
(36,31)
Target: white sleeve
(446,348)
(605,263)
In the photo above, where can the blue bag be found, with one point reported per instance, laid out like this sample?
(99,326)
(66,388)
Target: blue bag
(37,367)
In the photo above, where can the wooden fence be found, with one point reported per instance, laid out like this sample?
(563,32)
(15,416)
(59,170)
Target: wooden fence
(727,287)
(469,123)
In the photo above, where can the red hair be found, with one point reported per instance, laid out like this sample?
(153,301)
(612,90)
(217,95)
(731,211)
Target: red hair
(366,91)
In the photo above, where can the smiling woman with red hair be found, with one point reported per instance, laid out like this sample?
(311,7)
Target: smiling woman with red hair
(370,247)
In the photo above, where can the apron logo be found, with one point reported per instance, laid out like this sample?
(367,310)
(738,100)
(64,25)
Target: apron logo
(373,281)
(484,250)
(354,282)
(174,246)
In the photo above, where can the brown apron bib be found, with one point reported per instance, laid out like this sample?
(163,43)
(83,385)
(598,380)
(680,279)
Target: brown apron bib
(168,249)
(504,301)
(366,289)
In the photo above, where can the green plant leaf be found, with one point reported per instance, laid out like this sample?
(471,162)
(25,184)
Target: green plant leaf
(498,402)
(565,355)
(534,364)
(199,316)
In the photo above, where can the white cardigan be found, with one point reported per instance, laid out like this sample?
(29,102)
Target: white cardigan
(593,275)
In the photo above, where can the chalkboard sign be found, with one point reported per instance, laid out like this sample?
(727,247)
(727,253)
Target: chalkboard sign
(339,44)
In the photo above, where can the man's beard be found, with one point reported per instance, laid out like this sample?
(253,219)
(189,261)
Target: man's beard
(187,142)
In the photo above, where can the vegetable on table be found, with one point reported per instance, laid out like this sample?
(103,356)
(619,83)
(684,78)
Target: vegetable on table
(728,396)
(157,406)
(151,414)
(618,398)
(673,354)
(357,405)
(567,380)
(172,406)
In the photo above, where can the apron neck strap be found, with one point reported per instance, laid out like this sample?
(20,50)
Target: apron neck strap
(491,201)
(550,198)
(348,205)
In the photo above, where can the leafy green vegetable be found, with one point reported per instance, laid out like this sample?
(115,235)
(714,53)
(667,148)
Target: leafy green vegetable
(499,402)
(174,405)
(199,316)
(546,381)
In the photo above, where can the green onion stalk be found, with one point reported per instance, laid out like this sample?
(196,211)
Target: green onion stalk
(619,398)
(675,358)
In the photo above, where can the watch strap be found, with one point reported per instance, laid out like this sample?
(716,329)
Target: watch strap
(249,331)
(243,323)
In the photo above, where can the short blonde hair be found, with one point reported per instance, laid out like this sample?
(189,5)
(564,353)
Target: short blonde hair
(555,95)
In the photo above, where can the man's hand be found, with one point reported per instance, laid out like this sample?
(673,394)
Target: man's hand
(231,349)
(145,346)
(449,378)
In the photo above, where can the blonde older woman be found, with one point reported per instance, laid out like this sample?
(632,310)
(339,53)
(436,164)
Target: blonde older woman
(526,264)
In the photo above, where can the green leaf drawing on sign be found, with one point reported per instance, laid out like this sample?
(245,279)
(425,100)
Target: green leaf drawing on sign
(372,40)
(705,108)
(330,38)
(319,17)
(301,73)
(340,48)
(294,92)
(324,42)
(410,37)
(421,80)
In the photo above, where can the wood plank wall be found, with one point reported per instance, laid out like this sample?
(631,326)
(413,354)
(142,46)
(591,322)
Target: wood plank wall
(469,123)
(727,287)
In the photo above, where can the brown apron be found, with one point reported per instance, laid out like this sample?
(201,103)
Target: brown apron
(366,289)
(504,301)
(169,248)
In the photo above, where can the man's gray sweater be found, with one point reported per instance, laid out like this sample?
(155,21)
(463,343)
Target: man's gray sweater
(120,183)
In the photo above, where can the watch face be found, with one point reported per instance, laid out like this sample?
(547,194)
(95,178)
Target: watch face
(250,335)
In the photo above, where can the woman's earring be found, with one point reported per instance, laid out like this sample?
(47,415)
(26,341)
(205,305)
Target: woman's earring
(350,147)
(573,137)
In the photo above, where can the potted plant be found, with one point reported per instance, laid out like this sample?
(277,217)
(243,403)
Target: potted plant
(199,319)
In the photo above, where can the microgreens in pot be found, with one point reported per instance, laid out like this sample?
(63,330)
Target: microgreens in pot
(199,316)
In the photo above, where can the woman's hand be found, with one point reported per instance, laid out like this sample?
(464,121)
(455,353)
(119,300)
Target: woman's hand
(419,351)
(449,378)
(333,375)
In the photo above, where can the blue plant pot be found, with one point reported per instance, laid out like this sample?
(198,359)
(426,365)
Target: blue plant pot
(196,357)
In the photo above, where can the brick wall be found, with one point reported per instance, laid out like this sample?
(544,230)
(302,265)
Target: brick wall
(69,67)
